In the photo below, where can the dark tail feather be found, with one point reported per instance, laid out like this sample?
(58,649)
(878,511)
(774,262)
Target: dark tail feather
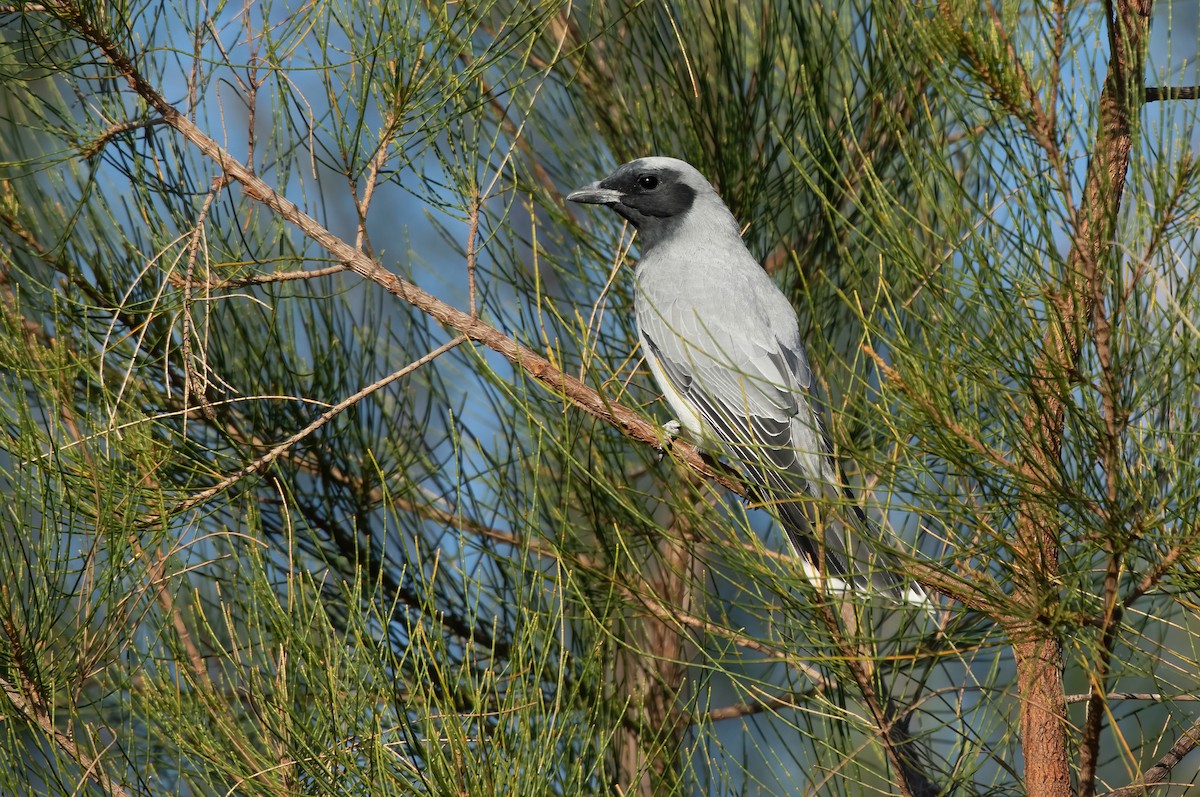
(850,547)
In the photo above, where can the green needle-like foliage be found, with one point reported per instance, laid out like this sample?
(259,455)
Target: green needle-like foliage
(330,465)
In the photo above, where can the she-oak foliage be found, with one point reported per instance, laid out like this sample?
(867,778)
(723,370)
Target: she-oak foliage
(330,464)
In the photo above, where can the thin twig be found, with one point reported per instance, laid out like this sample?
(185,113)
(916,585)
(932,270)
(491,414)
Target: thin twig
(472,239)
(897,742)
(114,130)
(1160,569)
(250,90)
(539,368)
(156,567)
(673,616)
(193,381)
(1151,697)
(1089,746)
(261,279)
(597,315)
(746,708)
(664,613)
(374,169)
(1158,774)
(33,708)
(1037,121)
(322,419)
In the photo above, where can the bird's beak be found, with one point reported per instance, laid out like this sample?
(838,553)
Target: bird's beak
(593,194)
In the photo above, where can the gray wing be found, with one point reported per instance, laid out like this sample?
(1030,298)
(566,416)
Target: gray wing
(744,371)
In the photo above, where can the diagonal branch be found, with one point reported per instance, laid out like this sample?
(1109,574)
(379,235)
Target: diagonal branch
(266,459)
(1157,775)
(255,279)
(33,708)
(539,368)
(898,744)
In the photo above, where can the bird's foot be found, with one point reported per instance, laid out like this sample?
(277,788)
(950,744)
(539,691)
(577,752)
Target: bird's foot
(670,433)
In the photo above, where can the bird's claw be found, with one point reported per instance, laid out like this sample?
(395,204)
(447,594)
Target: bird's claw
(670,432)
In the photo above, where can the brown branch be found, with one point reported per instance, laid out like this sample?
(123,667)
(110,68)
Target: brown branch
(1156,573)
(32,707)
(158,579)
(194,383)
(253,82)
(377,163)
(155,569)
(557,30)
(663,612)
(949,424)
(1021,101)
(649,670)
(683,620)
(1152,697)
(1167,215)
(1036,646)
(258,279)
(1089,746)
(948,584)
(893,734)
(955,586)
(746,708)
(1158,774)
(1109,447)
(155,565)
(100,142)
(1039,123)
(539,368)
(472,242)
(27,698)
(1060,43)
(266,459)
(656,608)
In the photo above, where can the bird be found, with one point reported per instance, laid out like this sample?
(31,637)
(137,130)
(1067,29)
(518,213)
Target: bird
(723,344)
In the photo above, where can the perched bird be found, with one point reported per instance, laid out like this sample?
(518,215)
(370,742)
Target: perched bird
(724,346)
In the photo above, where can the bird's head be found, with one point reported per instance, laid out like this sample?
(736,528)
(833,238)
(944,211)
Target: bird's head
(656,195)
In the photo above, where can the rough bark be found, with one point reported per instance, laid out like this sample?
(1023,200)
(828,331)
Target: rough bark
(1079,312)
(650,671)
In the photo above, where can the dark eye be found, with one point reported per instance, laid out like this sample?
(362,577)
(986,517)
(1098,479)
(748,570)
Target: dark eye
(648,181)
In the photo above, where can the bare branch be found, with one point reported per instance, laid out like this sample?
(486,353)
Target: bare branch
(1152,697)
(259,279)
(33,707)
(322,419)
(100,142)
(472,242)
(1158,774)
(194,382)
(536,366)
(1089,745)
